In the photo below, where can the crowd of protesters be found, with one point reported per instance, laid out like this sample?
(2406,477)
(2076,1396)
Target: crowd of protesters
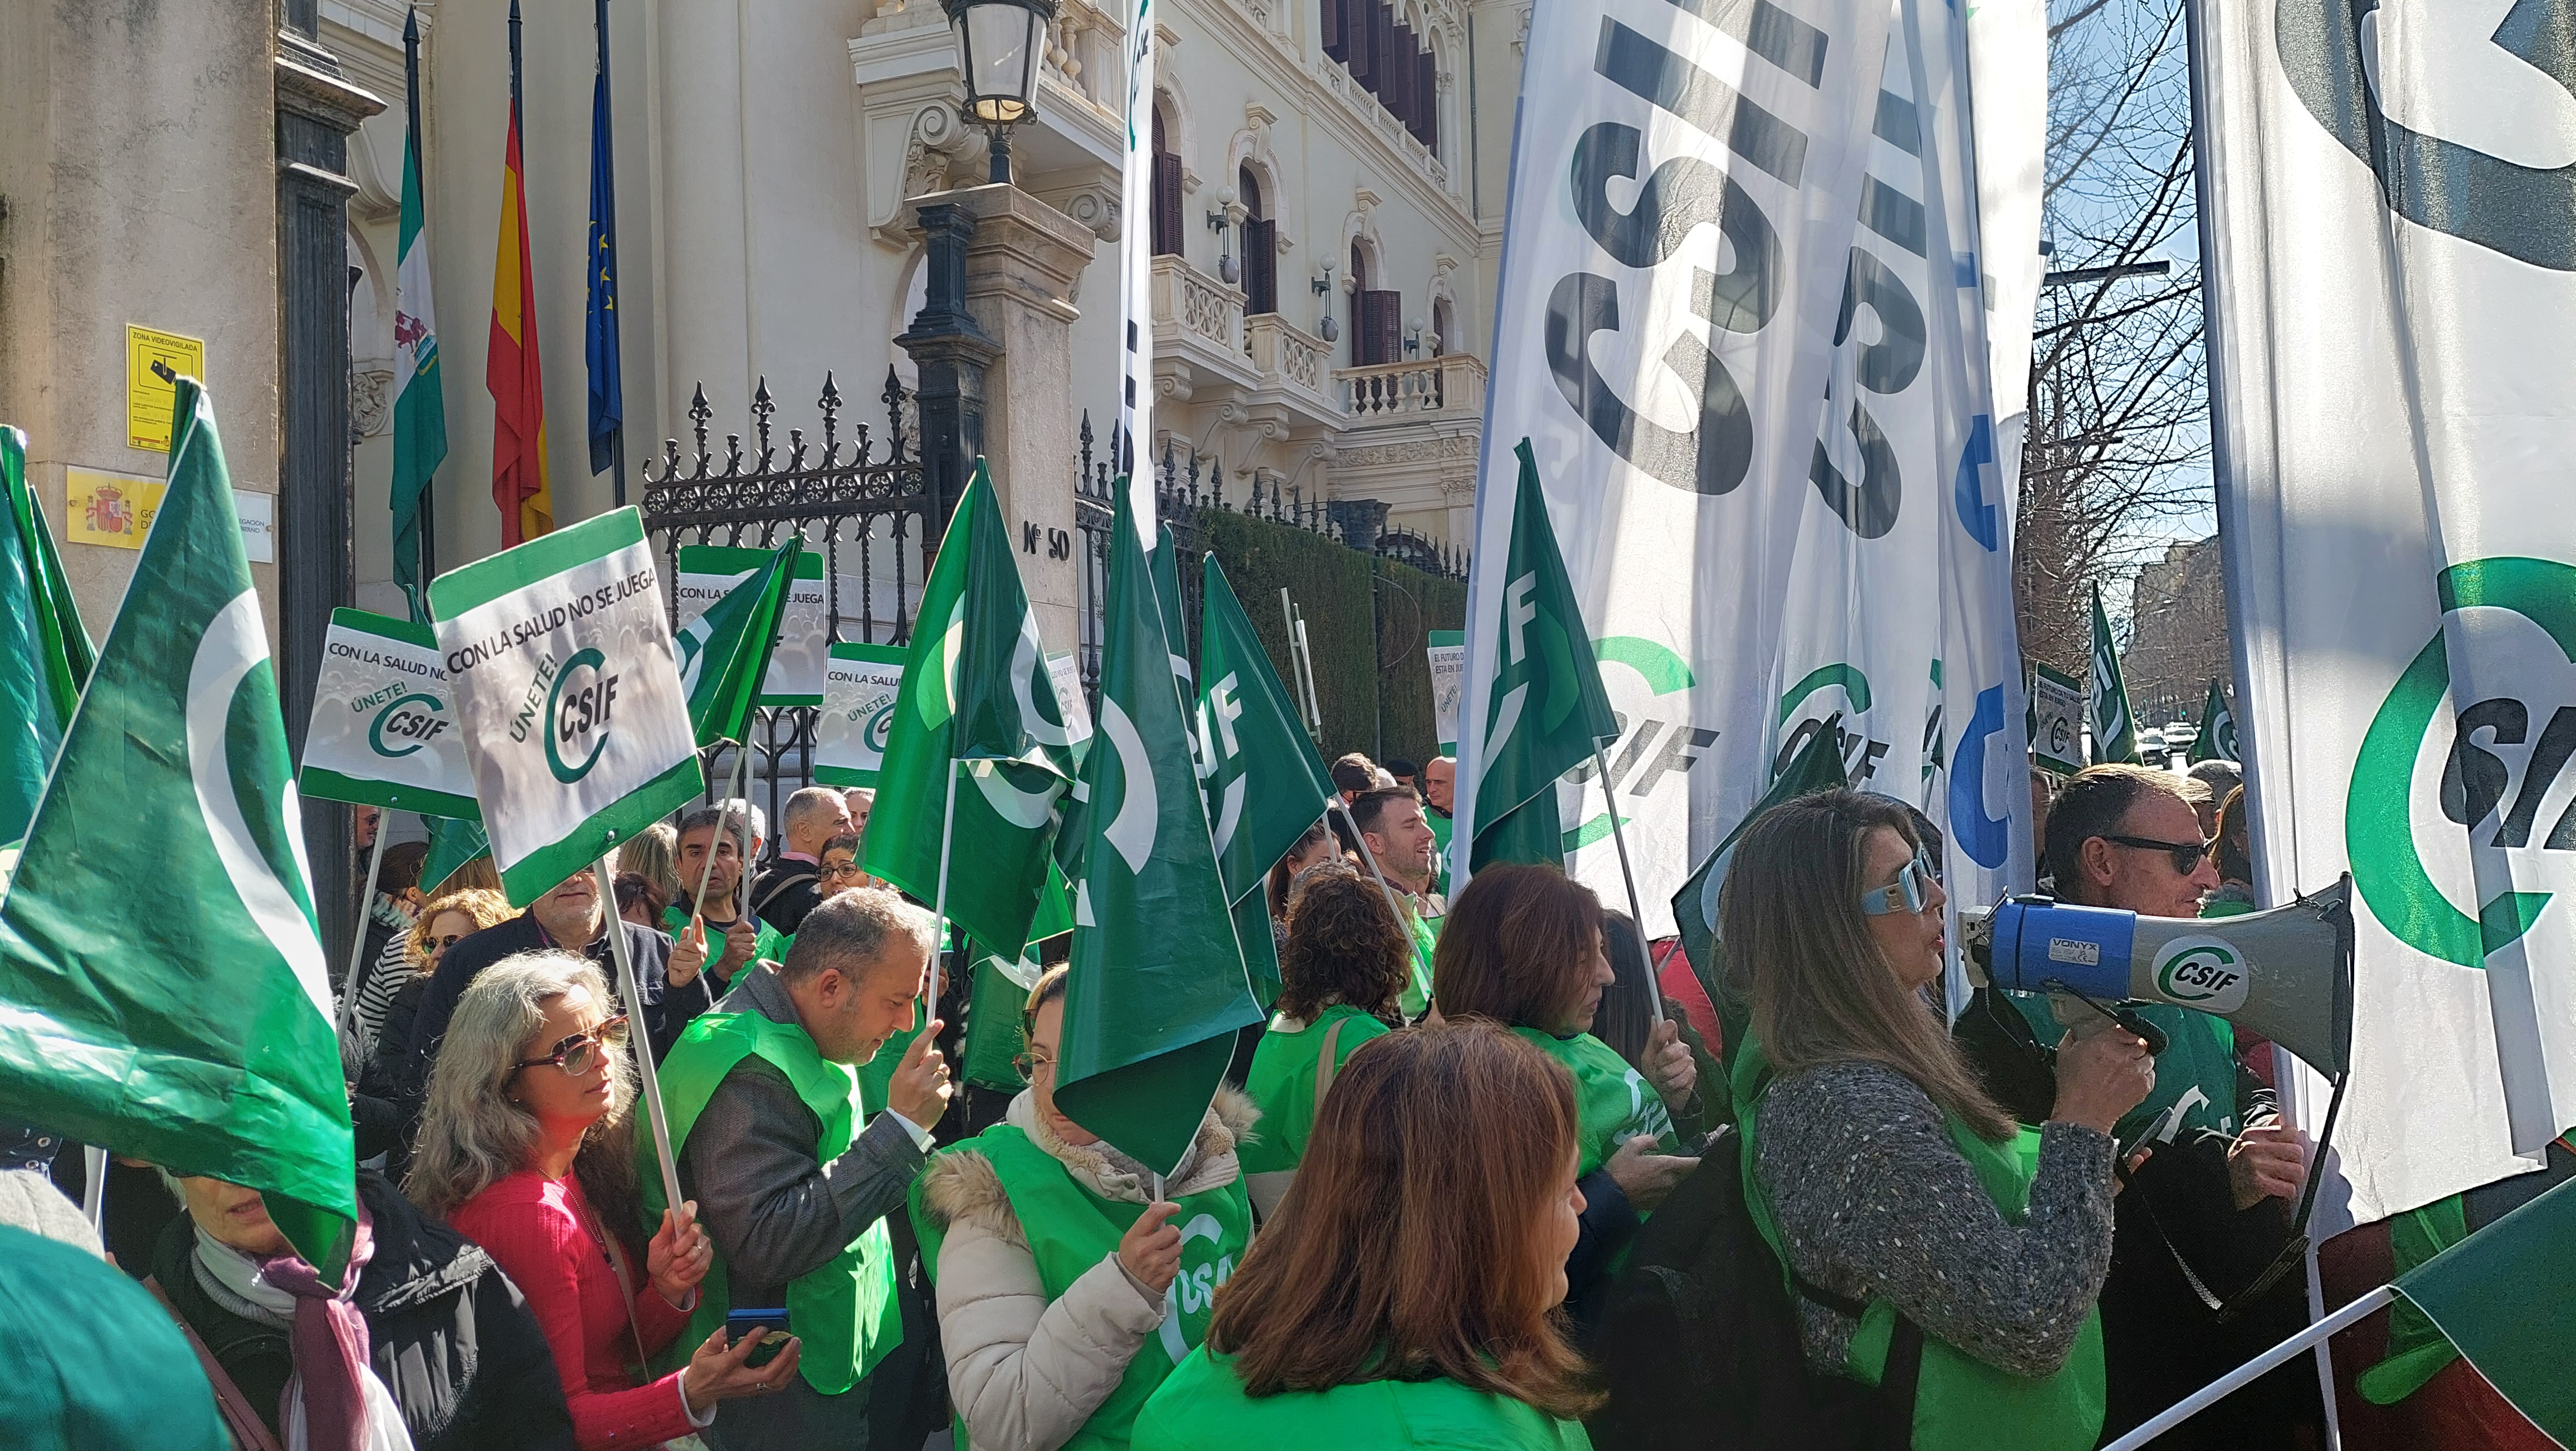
(1411,1217)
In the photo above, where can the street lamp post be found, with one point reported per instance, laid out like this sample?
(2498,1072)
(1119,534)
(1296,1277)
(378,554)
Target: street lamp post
(999,46)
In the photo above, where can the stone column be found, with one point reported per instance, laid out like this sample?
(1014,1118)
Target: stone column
(1021,263)
(316,112)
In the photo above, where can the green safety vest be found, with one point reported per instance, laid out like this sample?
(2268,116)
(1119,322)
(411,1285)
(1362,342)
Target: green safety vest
(1070,1230)
(1426,938)
(1960,1403)
(1442,826)
(768,944)
(2195,1075)
(844,1310)
(1613,1103)
(1282,1082)
(1202,1407)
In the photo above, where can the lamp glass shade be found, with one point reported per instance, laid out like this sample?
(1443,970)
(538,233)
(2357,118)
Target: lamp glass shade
(1002,42)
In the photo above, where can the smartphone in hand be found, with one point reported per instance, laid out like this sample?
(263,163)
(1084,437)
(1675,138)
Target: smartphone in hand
(741,1322)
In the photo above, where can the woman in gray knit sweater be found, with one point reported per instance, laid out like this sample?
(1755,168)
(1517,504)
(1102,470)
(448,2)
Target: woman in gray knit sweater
(1880,1168)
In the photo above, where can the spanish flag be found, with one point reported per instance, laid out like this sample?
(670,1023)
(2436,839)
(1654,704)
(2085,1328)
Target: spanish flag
(512,373)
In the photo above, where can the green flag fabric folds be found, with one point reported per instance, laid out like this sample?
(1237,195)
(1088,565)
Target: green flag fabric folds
(2106,702)
(977,693)
(1156,988)
(1548,707)
(2217,739)
(45,655)
(2502,1296)
(196,1035)
(724,653)
(1818,766)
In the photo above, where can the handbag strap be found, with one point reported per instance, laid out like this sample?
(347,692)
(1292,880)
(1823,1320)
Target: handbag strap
(1327,1064)
(615,1254)
(248,1430)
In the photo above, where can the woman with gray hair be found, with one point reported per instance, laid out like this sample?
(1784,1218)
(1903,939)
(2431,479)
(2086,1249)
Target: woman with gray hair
(528,1147)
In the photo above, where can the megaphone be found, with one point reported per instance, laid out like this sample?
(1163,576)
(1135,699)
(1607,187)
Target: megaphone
(2285,973)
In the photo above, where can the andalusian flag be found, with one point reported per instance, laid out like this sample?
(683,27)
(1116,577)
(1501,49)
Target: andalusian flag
(420,397)
(511,371)
(198,1038)
(2217,739)
(1157,988)
(1548,712)
(2106,700)
(978,700)
(724,653)
(45,655)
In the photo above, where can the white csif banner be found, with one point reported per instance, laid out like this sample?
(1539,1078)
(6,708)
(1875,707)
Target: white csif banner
(382,733)
(706,573)
(567,691)
(1685,181)
(2390,223)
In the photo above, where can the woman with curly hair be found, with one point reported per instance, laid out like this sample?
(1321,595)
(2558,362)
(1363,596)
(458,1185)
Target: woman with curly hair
(1406,1295)
(386,1007)
(1345,964)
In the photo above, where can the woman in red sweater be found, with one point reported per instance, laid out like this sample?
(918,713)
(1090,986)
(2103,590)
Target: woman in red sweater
(527,1148)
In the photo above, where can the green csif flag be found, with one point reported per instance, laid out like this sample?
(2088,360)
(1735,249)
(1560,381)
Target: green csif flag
(2217,739)
(1548,709)
(2502,1295)
(1818,766)
(1265,784)
(977,693)
(45,655)
(1157,988)
(724,653)
(199,1038)
(2106,701)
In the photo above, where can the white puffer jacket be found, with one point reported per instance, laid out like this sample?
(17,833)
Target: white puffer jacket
(1025,1373)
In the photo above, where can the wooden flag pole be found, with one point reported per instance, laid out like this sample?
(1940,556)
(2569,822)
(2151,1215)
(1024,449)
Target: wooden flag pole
(606,871)
(366,909)
(939,907)
(1636,910)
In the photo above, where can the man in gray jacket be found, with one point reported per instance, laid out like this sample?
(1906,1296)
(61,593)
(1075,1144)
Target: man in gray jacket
(791,1188)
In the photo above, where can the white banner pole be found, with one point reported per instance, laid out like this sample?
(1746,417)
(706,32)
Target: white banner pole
(366,909)
(698,898)
(1336,803)
(2226,1385)
(636,1033)
(742,879)
(94,1186)
(1636,911)
(939,907)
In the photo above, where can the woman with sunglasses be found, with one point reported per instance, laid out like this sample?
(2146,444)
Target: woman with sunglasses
(528,1148)
(1917,1218)
(1067,1289)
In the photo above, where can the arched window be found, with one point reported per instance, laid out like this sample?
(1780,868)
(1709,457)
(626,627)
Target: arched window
(1377,316)
(1167,192)
(1260,247)
(1444,324)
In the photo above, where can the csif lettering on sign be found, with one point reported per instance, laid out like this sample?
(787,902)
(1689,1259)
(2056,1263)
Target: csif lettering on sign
(567,697)
(1685,193)
(383,730)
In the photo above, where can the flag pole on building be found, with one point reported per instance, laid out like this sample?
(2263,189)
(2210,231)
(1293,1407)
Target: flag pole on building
(607,392)
(420,404)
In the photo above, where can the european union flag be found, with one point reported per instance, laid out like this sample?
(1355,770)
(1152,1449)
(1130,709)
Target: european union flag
(599,344)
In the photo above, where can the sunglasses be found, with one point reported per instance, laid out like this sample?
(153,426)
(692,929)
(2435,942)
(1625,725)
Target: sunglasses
(441,944)
(2186,855)
(580,1053)
(1908,893)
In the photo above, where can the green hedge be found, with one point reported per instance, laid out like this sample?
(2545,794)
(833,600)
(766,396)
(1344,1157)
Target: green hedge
(1331,587)
(1410,604)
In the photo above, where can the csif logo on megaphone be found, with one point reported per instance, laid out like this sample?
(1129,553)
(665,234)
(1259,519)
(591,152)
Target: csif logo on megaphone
(2207,973)
(2388,858)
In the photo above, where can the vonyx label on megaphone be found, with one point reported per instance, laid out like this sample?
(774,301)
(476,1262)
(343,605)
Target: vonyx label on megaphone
(2207,973)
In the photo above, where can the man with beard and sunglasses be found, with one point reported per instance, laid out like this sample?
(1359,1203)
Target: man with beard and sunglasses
(2211,1200)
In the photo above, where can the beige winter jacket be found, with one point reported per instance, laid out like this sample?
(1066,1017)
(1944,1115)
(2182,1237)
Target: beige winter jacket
(1023,1372)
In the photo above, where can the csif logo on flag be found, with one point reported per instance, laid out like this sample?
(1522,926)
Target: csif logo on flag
(2438,841)
(1657,745)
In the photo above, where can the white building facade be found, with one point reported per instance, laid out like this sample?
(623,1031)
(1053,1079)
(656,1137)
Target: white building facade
(1329,217)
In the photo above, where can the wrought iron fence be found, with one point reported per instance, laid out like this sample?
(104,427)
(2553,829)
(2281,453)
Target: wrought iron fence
(859,502)
(1189,485)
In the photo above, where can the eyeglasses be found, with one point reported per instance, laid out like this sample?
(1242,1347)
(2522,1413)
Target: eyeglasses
(1908,893)
(843,869)
(2186,855)
(580,1053)
(1031,1065)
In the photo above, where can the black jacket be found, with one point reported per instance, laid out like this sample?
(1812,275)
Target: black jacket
(665,1013)
(782,895)
(447,1333)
